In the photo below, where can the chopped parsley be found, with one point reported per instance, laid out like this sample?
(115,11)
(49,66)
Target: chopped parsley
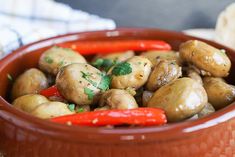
(71,107)
(61,63)
(9,77)
(105,64)
(104,83)
(223,51)
(101,74)
(80,110)
(89,93)
(98,63)
(87,76)
(123,68)
(48,59)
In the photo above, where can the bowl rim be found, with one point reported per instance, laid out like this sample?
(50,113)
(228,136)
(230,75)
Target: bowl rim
(169,131)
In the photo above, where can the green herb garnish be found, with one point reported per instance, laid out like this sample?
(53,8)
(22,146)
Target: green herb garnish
(61,63)
(80,110)
(104,83)
(223,51)
(89,93)
(105,64)
(123,68)
(87,76)
(48,59)
(71,107)
(101,74)
(9,77)
(98,63)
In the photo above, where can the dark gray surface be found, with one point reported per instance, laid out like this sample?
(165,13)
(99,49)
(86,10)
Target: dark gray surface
(167,14)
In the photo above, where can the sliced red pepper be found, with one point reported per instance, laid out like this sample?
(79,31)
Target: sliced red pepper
(51,91)
(138,116)
(103,47)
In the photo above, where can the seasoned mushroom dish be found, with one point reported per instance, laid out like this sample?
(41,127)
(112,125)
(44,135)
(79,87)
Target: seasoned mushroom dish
(125,82)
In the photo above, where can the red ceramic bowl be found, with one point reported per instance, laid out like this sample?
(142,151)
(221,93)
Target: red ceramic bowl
(27,136)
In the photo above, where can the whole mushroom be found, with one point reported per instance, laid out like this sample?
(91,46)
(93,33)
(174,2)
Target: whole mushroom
(205,57)
(163,73)
(118,99)
(81,83)
(53,59)
(31,81)
(51,109)
(180,99)
(29,102)
(133,73)
(220,94)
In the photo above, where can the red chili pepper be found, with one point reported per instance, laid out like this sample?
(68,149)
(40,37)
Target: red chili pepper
(138,116)
(51,91)
(103,47)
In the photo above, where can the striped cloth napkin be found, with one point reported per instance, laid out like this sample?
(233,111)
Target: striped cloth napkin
(26,21)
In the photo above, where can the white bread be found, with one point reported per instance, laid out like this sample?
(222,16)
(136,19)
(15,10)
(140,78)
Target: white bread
(225,27)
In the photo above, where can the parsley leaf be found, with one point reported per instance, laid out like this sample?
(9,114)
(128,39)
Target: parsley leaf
(101,73)
(98,63)
(71,107)
(223,51)
(61,63)
(80,109)
(87,76)
(48,59)
(104,83)
(89,93)
(123,68)
(106,64)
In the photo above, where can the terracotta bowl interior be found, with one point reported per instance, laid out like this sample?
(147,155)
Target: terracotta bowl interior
(27,57)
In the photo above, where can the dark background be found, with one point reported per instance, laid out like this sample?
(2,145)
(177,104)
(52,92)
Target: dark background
(166,14)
